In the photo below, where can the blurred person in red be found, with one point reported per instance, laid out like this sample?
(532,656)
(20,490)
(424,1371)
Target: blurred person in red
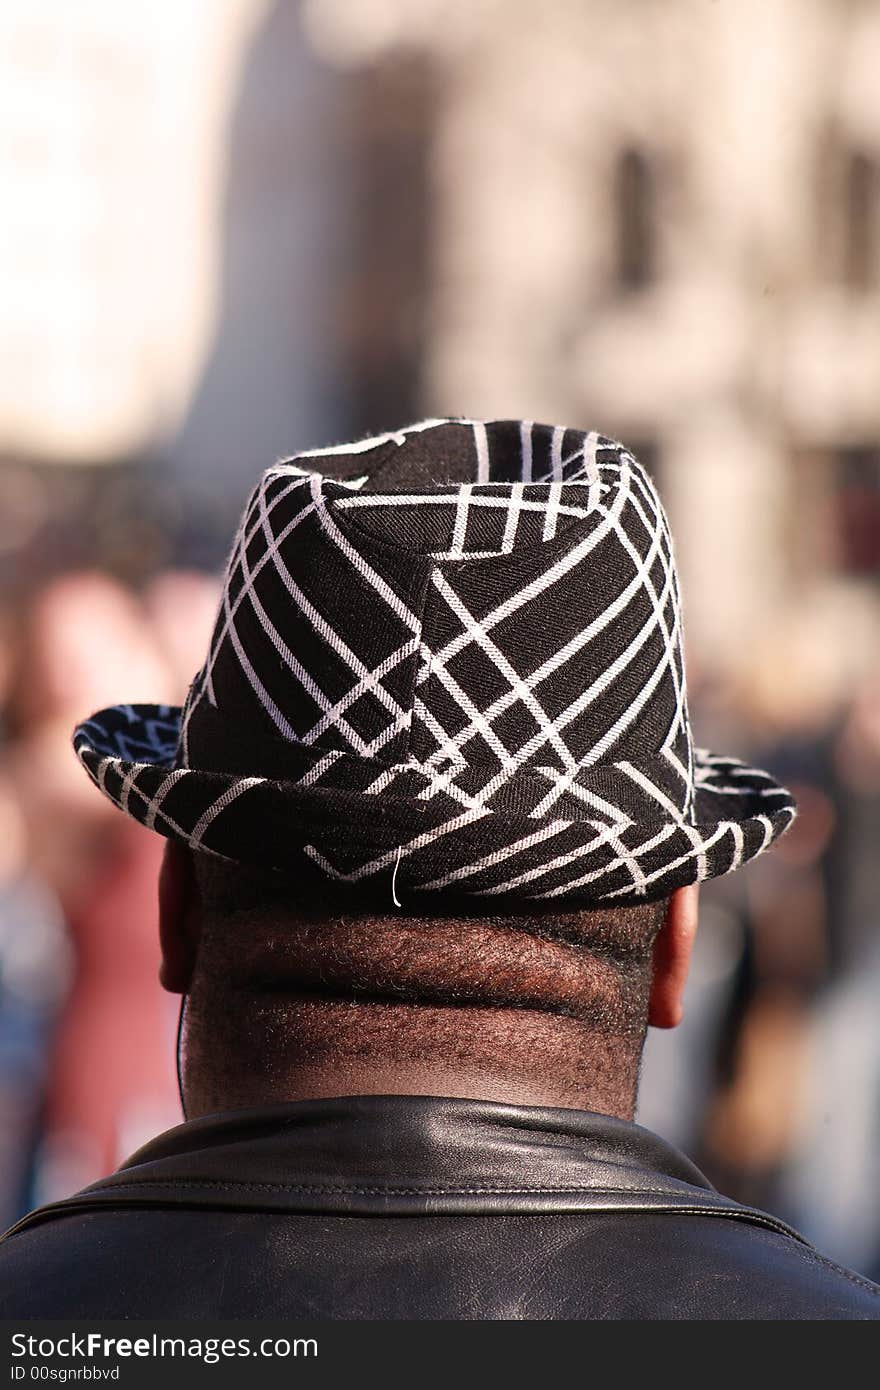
(110,1083)
(34,974)
(181,606)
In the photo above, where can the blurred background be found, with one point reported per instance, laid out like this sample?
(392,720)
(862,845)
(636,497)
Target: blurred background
(233,229)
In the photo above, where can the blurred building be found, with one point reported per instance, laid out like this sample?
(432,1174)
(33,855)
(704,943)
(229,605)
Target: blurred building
(112,167)
(170,212)
(661,218)
(241,228)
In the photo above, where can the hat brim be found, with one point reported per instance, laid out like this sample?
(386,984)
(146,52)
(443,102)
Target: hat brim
(382,838)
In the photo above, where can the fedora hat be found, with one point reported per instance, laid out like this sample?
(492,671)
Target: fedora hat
(447,660)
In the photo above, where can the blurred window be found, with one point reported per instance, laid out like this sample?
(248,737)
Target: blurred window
(635,197)
(861,193)
(391,119)
(857,491)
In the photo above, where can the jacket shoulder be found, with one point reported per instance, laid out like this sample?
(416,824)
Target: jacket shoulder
(700,1267)
(596,1266)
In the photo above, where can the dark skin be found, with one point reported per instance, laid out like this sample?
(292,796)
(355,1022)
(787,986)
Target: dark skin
(519,1076)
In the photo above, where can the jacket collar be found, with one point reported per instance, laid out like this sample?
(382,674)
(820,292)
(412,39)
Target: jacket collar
(409,1155)
(417,1142)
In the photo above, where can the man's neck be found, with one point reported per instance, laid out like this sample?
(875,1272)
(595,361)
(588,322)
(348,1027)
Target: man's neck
(326,1050)
(359,1079)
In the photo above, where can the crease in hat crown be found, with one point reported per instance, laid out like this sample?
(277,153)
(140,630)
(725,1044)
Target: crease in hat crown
(459,659)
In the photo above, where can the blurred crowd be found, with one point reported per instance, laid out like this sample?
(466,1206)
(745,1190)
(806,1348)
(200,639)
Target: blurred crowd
(773,1079)
(86,1035)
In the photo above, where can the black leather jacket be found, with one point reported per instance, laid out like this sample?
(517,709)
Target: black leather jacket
(412,1207)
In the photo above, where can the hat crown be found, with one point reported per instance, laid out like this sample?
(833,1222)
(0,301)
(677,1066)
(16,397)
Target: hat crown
(454,667)
(494,605)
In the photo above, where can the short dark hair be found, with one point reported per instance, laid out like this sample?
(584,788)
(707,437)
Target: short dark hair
(265,929)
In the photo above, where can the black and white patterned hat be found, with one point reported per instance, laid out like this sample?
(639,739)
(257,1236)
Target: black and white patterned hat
(454,667)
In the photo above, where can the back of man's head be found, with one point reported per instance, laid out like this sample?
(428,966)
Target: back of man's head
(447,673)
(295,993)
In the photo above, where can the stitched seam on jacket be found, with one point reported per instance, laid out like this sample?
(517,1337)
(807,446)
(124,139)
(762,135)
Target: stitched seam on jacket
(750,1214)
(394,1191)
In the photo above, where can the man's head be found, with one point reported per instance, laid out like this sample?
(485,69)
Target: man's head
(294,994)
(446,677)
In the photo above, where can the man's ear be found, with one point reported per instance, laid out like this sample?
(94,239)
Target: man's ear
(179,919)
(672,957)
